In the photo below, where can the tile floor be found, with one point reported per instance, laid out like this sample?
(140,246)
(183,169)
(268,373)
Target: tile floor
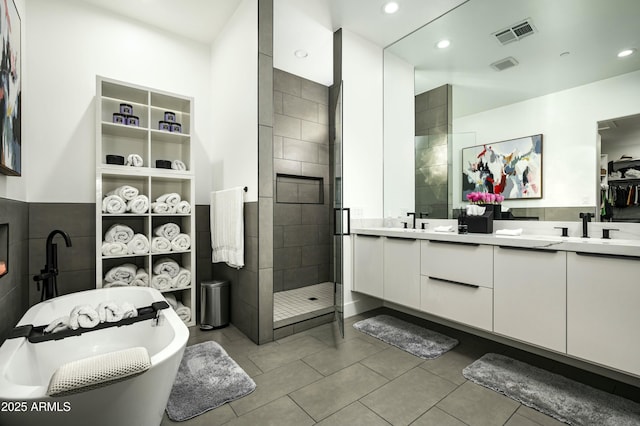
(302,303)
(316,377)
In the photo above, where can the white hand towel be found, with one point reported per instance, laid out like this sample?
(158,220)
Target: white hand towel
(183,312)
(168,230)
(178,165)
(118,233)
(83,316)
(161,282)
(160,245)
(183,207)
(128,310)
(139,244)
(57,324)
(183,279)
(126,192)
(109,312)
(138,205)
(113,204)
(227,227)
(107,284)
(509,231)
(443,228)
(114,249)
(166,265)
(125,272)
(162,208)
(134,160)
(171,198)
(141,279)
(181,242)
(171,300)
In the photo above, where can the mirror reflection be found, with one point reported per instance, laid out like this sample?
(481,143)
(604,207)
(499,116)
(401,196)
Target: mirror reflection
(497,70)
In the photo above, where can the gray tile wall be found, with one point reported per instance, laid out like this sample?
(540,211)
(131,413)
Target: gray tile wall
(301,233)
(14,286)
(433,123)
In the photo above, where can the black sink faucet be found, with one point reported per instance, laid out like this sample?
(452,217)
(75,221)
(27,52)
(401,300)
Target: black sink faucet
(586,218)
(49,274)
(414,219)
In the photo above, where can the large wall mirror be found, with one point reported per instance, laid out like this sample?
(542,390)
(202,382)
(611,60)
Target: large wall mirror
(510,70)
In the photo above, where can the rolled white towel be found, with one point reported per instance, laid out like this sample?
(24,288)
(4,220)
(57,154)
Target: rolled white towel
(171,300)
(113,204)
(181,242)
(160,245)
(178,165)
(183,279)
(183,312)
(141,279)
(134,160)
(161,282)
(118,233)
(162,208)
(109,312)
(57,324)
(171,198)
(128,310)
(114,249)
(183,207)
(509,231)
(166,265)
(125,272)
(139,205)
(139,244)
(126,192)
(84,316)
(107,284)
(168,230)
(443,228)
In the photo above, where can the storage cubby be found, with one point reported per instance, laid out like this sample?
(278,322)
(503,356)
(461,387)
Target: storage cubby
(152,144)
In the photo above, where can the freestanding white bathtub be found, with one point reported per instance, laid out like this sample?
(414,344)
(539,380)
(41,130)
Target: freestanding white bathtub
(26,368)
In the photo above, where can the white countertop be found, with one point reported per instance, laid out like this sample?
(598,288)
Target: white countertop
(613,246)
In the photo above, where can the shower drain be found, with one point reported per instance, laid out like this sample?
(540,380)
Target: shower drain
(313,298)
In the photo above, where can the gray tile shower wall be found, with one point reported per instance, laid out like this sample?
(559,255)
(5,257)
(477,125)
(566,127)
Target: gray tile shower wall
(14,297)
(301,238)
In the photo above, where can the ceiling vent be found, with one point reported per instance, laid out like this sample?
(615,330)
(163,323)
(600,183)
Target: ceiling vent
(504,64)
(515,32)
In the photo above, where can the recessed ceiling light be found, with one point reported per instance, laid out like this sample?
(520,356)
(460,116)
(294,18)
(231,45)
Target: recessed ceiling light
(443,44)
(626,52)
(390,7)
(301,53)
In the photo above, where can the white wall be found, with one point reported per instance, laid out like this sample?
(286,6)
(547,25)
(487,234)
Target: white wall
(14,187)
(568,121)
(234,89)
(399,136)
(69,43)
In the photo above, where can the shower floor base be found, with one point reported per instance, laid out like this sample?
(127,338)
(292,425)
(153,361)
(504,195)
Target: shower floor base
(301,304)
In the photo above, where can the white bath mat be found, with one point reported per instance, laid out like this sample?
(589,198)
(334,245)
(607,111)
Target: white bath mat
(206,379)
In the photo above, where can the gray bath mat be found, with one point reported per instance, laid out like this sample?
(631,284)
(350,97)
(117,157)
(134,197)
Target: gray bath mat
(206,379)
(566,400)
(411,338)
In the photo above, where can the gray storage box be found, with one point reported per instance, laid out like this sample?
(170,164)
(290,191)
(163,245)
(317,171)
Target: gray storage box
(214,304)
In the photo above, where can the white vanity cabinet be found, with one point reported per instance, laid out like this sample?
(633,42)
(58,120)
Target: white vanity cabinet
(529,295)
(603,309)
(457,282)
(368,264)
(402,271)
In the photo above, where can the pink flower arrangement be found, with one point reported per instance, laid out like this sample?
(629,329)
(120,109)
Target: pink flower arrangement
(484,198)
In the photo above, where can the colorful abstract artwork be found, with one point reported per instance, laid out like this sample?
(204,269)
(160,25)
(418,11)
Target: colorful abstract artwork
(511,168)
(10,90)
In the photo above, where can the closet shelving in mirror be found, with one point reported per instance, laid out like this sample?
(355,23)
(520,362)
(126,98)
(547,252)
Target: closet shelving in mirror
(145,143)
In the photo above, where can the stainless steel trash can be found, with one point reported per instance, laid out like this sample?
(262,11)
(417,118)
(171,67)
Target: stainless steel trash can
(214,304)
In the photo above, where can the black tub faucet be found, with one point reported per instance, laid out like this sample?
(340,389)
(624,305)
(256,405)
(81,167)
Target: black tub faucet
(586,218)
(49,274)
(414,219)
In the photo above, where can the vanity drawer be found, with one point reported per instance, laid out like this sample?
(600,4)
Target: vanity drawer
(460,262)
(465,304)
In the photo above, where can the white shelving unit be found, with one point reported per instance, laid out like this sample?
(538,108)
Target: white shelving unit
(151,144)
